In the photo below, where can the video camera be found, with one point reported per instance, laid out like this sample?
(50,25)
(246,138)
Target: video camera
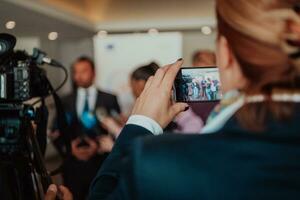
(20,76)
(22,170)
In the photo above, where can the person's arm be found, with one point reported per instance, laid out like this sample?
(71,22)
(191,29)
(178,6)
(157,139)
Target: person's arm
(152,109)
(108,176)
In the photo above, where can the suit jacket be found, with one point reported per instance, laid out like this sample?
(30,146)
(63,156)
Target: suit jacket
(231,164)
(104,100)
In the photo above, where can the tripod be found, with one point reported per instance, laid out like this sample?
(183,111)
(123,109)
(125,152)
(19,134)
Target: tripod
(22,171)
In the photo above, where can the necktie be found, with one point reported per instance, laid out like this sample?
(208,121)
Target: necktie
(86,108)
(87,118)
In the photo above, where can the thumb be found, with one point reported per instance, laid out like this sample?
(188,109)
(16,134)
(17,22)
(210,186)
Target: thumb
(178,108)
(51,192)
(67,195)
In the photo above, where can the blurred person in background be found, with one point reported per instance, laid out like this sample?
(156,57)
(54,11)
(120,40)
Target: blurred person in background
(204,58)
(252,150)
(138,79)
(90,142)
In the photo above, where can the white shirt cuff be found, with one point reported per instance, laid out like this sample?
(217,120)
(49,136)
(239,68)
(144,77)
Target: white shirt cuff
(145,122)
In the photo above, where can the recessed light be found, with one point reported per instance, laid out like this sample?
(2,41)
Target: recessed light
(153,31)
(102,33)
(52,35)
(206,30)
(10,24)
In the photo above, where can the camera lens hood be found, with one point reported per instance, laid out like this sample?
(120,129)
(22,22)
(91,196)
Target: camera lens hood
(7,43)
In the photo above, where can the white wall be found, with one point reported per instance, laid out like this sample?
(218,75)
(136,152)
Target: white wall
(65,51)
(28,43)
(116,56)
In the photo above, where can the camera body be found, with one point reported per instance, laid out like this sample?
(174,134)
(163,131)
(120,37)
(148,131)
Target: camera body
(15,81)
(21,78)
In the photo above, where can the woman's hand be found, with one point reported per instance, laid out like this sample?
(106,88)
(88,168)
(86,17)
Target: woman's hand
(52,193)
(155,100)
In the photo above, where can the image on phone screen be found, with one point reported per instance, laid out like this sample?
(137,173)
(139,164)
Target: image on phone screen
(197,84)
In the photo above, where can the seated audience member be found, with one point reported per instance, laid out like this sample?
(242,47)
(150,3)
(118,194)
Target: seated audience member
(89,140)
(253,153)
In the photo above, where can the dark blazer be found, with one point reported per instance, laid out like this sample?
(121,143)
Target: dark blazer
(231,164)
(104,100)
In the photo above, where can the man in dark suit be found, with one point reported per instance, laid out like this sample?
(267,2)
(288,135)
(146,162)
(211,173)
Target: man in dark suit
(87,134)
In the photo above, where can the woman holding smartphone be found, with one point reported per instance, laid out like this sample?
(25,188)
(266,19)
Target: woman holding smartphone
(254,149)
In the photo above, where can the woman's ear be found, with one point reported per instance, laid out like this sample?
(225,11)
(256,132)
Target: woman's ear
(224,54)
(230,72)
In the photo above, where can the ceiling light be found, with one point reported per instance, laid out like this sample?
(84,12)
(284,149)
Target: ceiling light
(153,31)
(10,24)
(102,33)
(52,35)
(206,30)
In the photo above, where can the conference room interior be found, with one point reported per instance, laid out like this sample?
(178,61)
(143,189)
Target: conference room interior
(66,30)
(116,37)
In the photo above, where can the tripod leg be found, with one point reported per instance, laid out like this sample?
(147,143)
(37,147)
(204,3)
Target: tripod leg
(16,182)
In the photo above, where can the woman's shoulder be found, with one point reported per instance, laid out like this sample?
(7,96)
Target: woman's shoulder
(233,129)
(265,121)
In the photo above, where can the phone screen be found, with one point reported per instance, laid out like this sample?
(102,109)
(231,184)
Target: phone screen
(197,84)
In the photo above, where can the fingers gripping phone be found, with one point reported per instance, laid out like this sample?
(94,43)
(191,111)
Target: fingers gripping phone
(197,84)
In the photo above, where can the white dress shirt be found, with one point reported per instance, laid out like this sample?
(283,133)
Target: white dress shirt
(81,97)
(145,122)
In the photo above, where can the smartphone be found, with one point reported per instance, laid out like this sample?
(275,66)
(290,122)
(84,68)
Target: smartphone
(197,84)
